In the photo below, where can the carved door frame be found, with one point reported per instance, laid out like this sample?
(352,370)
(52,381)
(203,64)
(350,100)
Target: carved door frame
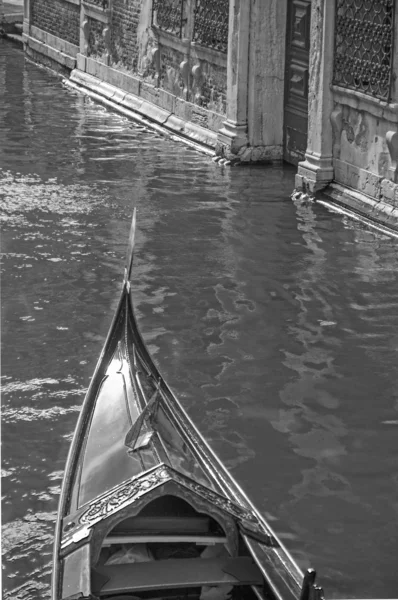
(296,90)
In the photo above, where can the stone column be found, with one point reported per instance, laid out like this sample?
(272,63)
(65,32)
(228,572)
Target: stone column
(26,19)
(389,185)
(394,89)
(316,171)
(233,136)
(83,39)
(266,81)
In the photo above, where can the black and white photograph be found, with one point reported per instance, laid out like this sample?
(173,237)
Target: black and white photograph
(199,299)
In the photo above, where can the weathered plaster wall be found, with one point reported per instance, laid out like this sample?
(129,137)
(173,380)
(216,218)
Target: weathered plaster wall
(131,62)
(166,77)
(365,141)
(96,39)
(209,89)
(171,78)
(365,134)
(266,78)
(58,17)
(352,146)
(161,68)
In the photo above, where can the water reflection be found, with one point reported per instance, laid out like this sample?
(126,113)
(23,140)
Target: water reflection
(273,322)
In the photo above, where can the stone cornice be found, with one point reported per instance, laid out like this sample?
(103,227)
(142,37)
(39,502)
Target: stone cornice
(169,39)
(378,108)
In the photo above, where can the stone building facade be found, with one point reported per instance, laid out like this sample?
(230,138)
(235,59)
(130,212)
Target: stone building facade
(311,82)
(352,136)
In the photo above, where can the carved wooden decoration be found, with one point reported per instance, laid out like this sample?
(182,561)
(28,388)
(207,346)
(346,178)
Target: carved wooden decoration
(130,491)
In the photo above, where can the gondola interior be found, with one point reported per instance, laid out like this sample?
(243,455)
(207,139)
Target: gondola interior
(167,550)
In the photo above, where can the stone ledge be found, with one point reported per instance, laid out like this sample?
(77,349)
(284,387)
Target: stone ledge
(379,212)
(170,40)
(85,79)
(95,12)
(205,122)
(153,112)
(132,102)
(55,55)
(389,192)
(214,57)
(15,38)
(124,81)
(144,111)
(362,180)
(360,101)
(53,41)
(197,133)
(46,61)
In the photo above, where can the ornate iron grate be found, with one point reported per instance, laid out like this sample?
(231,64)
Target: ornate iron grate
(364,46)
(211,24)
(168,15)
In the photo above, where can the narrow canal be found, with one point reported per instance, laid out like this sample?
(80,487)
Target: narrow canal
(275,323)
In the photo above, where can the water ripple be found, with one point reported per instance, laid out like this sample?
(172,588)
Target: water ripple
(274,322)
(27,413)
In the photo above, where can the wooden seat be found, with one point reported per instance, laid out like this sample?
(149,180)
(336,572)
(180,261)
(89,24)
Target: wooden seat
(204,540)
(179,573)
(163,524)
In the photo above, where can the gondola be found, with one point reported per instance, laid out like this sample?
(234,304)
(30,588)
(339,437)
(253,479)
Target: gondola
(147,510)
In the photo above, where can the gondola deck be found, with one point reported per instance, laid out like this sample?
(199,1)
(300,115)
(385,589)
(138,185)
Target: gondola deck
(147,510)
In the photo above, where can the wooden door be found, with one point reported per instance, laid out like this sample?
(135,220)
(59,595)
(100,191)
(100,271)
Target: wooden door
(296,80)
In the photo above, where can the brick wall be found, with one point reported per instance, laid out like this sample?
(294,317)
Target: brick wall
(124,46)
(59,17)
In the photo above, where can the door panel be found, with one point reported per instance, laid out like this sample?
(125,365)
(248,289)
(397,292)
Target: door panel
(296,80)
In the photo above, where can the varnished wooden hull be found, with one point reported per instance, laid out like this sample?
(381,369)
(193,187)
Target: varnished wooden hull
(140,475)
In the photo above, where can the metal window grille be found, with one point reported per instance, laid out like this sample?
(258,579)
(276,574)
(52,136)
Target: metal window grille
(168,15)
(364,36)
(211,24)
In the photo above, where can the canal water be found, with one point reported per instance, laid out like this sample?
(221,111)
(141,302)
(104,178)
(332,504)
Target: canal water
(276,323)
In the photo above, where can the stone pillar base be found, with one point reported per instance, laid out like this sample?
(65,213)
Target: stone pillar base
(232,138)
(314,173)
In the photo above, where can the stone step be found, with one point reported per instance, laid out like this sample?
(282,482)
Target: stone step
(18,27)
(14,37)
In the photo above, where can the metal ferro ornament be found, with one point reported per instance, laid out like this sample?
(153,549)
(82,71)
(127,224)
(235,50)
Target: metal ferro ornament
(364,33)
(167,15)
(211,24)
